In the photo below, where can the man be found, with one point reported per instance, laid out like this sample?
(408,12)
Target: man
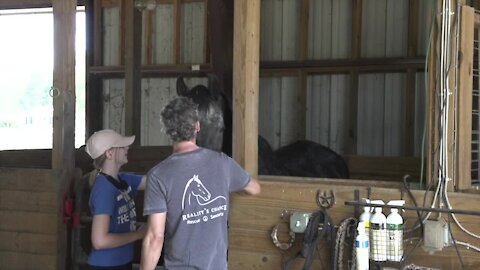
(187,197)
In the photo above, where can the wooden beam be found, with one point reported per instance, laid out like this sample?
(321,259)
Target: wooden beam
(123,29)
(357,9)
(109,72)
(302,75)
(346,65)
(409,128)
(271,68)
(97,33)
(63,90)
(301,105)
(413,7)
(432,136)
(220,42)
(246,46)
(303,29)
(19,4)
(63,152)
(477,20)
(133,55)
(177,18)
(150,14)
(93,84)
(465,94)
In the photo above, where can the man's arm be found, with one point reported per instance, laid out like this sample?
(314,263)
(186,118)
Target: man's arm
(253,187)
(153,242)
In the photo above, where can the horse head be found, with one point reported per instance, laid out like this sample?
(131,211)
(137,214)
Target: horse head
(195,188)
(215,114)
(198,189)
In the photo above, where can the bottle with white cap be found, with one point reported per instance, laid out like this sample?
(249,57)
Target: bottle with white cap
(378,233)
(362,248)
(395,232)
(365,218)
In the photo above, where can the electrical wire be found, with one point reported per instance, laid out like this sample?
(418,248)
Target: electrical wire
(420,222)
(445,192)
(409,192)
(455,244)
(443,94)
(468,246)
(443,168)
(405,257)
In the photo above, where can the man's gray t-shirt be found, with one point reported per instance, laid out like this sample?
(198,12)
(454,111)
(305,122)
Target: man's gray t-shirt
(193,188)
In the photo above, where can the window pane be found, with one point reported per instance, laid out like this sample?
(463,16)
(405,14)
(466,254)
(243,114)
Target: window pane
(26,69)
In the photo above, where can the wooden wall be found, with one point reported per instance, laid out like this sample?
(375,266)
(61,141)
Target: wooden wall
(252,219)
(28,214)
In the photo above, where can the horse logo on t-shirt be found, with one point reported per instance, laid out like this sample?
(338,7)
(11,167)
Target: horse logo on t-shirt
(195,191)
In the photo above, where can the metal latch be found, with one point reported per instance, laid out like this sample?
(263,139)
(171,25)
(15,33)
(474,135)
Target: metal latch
(299,221)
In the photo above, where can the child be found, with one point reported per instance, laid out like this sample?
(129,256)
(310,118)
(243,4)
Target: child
(112,202)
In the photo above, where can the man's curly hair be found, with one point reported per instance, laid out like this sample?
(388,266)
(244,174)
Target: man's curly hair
(179,118)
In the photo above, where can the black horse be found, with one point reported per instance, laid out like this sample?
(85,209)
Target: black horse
(215,114)
(302,158)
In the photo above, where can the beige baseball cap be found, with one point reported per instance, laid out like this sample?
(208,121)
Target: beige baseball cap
(103,140)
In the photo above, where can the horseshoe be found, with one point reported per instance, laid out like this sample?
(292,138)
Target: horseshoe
(325,200)
(277,243)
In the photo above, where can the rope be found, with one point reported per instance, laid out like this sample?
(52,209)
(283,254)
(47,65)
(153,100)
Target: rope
(342,232)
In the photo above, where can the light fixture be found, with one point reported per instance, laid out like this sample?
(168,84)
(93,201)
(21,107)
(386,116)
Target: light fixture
(145,4)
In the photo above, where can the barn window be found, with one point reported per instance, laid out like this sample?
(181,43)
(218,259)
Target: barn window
(173,40)
(350,77)
(26,65)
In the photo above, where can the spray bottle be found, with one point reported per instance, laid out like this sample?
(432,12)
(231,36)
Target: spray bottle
(378,234)
(395,232)
(362,247)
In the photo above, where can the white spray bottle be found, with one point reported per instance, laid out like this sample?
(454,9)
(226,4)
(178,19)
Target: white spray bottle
(395,232)
(362,247)
(378,234)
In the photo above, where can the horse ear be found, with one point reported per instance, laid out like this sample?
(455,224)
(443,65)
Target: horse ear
(214,86)
(182,89)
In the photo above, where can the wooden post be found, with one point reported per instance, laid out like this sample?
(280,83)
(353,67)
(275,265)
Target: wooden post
(220,42)
(63,92)
(177,18)
(133,56)
(409,129)
(93,98)
(246,47)
(357,9)
(435,138)
(302,74)
(463,166)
